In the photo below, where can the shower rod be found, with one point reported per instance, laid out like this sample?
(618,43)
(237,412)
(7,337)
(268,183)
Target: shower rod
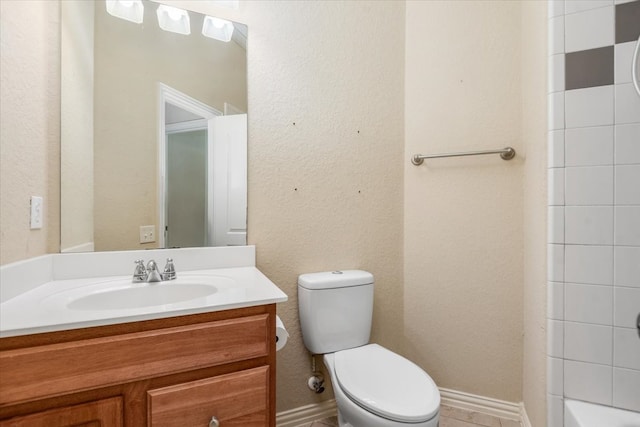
(506,153)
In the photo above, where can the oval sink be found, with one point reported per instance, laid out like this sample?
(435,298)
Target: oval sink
(121,294)
(142,296)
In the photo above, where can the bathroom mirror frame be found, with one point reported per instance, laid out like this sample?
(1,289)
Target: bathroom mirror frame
(136,202)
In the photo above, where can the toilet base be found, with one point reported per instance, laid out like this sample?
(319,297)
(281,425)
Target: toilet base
(352,415)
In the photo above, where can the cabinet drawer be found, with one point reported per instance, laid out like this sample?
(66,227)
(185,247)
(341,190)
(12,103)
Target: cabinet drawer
(238,399)
(98,362)
(101,413)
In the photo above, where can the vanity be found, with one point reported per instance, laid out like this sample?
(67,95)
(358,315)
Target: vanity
(80,344)
(206,361)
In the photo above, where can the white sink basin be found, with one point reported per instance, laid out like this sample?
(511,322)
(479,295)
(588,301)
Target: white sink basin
(122,294)
(145,296)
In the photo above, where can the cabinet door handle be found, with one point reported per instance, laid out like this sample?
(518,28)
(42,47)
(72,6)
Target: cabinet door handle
(214,422)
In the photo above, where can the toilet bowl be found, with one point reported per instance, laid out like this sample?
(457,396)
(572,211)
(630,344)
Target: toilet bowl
(375,387)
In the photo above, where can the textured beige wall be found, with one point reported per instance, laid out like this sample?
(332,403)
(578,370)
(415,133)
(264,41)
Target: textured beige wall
(534,125)
(29,126)
(129,61)
(325,157)
(76,150)
(463,219)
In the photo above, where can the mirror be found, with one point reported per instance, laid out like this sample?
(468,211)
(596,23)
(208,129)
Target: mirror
(154,132)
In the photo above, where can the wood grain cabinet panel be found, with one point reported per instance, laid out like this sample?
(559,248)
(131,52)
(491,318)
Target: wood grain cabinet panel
(101,413)
(179,371)
(239,399)
(91,363)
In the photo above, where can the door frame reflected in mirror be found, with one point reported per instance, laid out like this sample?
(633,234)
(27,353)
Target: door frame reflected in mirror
(169,95)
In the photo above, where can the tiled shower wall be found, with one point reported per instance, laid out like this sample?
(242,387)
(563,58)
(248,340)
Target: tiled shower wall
(594,206)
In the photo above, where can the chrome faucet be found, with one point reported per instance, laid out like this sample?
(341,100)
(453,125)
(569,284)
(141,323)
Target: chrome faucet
(140,273)
(151,274)
(169,272)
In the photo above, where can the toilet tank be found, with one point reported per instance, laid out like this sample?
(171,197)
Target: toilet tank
(335,309)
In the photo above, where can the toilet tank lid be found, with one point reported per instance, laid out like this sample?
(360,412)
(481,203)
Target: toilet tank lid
(335,279)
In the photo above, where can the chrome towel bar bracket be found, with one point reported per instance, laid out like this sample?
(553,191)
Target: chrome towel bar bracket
(506,153)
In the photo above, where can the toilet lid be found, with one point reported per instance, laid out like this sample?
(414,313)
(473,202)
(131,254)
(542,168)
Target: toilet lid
(387,384)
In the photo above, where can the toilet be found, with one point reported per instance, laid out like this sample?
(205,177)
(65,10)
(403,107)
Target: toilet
(373,386)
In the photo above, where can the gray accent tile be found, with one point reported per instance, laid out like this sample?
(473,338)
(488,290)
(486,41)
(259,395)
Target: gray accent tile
(589,68)
(627,21)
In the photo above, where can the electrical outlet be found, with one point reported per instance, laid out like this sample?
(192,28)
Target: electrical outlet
(147,233)
(36,212)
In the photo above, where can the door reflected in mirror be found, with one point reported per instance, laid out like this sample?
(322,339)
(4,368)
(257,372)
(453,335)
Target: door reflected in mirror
(154,132)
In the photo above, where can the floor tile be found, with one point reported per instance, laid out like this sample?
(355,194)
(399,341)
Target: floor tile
(449,417)
(470,416)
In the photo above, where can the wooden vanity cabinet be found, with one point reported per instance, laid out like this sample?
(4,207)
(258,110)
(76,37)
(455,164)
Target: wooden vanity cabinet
(180,371)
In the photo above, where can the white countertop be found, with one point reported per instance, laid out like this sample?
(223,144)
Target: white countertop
(44,307)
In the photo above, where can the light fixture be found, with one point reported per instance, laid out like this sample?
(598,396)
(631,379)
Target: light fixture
(217,28)
(173,19)
(130,10)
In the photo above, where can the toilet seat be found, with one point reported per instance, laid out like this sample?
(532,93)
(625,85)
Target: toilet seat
(386,384)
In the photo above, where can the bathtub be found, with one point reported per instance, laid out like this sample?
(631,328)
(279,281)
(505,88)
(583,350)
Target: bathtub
(582,414)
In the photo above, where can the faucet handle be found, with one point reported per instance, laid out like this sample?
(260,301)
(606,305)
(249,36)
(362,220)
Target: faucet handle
(140,272)
(169,272)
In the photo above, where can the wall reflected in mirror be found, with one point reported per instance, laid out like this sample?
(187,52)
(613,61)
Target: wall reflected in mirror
(154,132)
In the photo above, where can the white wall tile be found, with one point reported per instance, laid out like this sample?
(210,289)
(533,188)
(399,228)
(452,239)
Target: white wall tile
(626,348)
(555,68)
(556,35)
(555,227)
(573,6)
(555,263)
(555,338)
(627,185)
(556,186)
(588,225)
(627,225)
(589,29)
(623,53)
(589,303)
(627,265)
(555,300)
(626,306)
(555,150)
(628,144)
(627,104)
(556,110)
(589,264)
(555,411)
(590,146)
(626,386)
(592,106)
(589,186)
(588,343)
(588,381)
(555,376)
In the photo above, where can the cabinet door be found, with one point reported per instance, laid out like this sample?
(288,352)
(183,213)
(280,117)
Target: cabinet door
(239,399)
(101,413)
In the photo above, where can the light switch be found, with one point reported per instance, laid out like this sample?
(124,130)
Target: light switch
(36,212)
(147,233)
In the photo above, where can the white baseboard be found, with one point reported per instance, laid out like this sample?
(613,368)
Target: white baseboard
(85,247)
(524,418)
(304,415)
